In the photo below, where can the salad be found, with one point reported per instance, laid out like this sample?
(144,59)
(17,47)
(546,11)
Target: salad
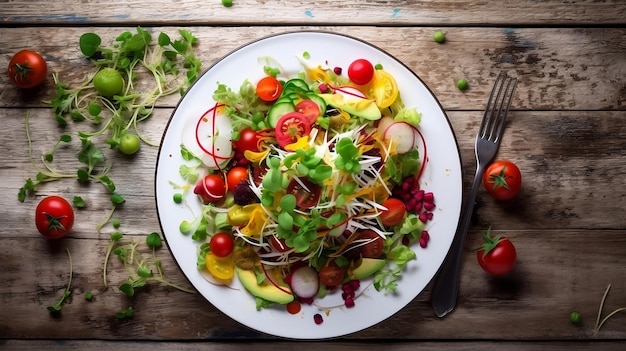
(309,183)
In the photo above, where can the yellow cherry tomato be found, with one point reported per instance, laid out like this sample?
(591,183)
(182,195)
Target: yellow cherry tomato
(384,89)
(220,267)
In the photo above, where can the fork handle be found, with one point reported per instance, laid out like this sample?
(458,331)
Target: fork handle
(445,289)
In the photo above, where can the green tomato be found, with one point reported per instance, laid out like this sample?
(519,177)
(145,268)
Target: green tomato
(129,144)
(108,82)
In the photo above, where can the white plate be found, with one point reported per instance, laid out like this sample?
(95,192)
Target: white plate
(442,176)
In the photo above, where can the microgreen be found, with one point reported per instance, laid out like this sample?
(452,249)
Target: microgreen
(349,158)
(57,306)
(78,202)
(600,322)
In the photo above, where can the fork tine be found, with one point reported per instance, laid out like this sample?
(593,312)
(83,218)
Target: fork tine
(498,105)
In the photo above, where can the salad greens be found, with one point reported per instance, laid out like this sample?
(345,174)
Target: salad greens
(318,175)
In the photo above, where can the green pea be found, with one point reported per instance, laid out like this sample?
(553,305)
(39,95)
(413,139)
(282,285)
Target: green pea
(178,198)
(575,317)
(439,36)
(462,84)
(227,3)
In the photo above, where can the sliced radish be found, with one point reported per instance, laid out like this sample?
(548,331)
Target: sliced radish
(209,138)
(349,92)
(304,282)
(383,124)
(402,134)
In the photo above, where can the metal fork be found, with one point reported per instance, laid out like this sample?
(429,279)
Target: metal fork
(446,286)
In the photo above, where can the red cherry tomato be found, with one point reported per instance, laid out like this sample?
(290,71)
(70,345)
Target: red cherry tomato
(269,88)
(291,126)
(331,275)
(394,214)
(248,140)
(211,188)
(309,109)
(361,71)
(27,69)
(305,197)
(222,244)
(54,217)
(503,180)
(497,255)
(375,244)
(235,175)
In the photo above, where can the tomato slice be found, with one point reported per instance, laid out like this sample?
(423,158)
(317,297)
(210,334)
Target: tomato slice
(309,109)
(306,192)
(385,89)
(220,267)
(291,126)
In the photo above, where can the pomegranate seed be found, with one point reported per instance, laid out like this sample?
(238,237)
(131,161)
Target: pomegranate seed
(423,217)
(429,206)
(337,70)
(323,88)
(318,318)
(419,195)
(349,302)
(429,197)
(425,235)
(354,284)
(423,243)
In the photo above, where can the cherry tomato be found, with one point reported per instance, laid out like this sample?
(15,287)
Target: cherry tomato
(211,188)
(331,275)
(375,244)
(248,140)
(497,255)
(361,71)
(385,89)
(27,69)
(235,175)
(129,144)
(394,214)
(269,88)
(222,244)
(108,82)
(220,267)
(503,180)
(54,217)
(305,197)
(309,109)
(291,126)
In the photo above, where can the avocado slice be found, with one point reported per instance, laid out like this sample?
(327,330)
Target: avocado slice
(368,267)
(354,105)
(267,292)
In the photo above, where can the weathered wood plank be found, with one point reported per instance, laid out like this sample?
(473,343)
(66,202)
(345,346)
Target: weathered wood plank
(550,280)
(246,12)
(561,189)
(560,68)
(338,345)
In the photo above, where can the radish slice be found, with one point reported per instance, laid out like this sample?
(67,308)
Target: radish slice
(349,92)
(304,282)
(209,138)
(402,134)
(383,124)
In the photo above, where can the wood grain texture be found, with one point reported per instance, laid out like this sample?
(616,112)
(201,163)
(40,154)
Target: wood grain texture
(344,12)
(559,69)
(566,132)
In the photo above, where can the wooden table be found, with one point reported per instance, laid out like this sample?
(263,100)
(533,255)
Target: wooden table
(566,132)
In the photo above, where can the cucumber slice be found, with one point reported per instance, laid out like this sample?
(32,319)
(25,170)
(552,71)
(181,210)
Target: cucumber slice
(298,83)
(278,110)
